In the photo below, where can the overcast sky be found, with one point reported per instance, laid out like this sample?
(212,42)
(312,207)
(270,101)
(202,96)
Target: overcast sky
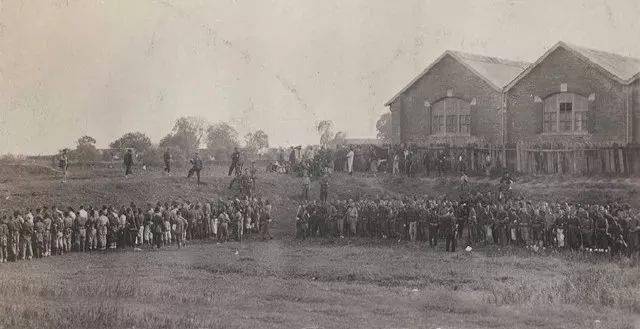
(104,68)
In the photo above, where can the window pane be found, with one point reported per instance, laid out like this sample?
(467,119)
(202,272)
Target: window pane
(465,122)
(452,123)
(579,121)
(546,123)
(554,125)
(438,124)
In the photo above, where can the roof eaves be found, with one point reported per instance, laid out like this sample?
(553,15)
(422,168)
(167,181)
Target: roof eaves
(573,51)
(418,77)
(470,68)
(437,60)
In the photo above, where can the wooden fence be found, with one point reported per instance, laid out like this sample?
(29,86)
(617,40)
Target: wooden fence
(621,160)
(582,159)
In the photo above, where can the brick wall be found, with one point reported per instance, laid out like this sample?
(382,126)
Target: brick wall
(395,122)
(607,114)
(415,121)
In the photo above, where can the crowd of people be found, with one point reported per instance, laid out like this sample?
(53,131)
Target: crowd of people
(477,219)
(54,231)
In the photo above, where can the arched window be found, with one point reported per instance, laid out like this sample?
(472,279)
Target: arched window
(450,116)
(565,113)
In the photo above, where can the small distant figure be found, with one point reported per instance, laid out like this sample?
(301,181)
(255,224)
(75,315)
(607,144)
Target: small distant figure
(306,185)
(324,188)
(350,156)
(128,162)
(63,163)
(196,166)
(396,164)
(235,162)
(464,182)
(167,161)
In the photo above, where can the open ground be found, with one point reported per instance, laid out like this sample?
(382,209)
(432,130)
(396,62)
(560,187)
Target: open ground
(285,283)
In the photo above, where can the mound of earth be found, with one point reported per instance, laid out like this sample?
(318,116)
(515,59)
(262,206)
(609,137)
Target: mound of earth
(24,170)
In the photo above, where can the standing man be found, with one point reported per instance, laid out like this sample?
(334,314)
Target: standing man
(352,218)
(350,156)
(196,166)
(167,161)
(235,161)
(324,188)
(4,239)
(63,163)
(306,185)
(128,162)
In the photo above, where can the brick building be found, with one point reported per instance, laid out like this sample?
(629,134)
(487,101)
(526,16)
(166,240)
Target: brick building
(573,93)
(457,99)
(569,93)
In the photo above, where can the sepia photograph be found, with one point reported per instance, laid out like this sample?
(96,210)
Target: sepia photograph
(320,164)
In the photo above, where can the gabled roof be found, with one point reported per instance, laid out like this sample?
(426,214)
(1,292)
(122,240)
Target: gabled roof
(620,68)
(496,72)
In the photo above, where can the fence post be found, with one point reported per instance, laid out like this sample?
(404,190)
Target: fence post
(518,157)
(621,156)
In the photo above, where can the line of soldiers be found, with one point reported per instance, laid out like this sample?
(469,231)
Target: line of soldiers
(477,220)
(52,231)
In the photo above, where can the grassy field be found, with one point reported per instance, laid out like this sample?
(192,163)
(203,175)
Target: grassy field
(286,283)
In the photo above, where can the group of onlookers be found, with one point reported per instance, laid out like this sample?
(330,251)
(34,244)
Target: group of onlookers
(55,231)
(479,219)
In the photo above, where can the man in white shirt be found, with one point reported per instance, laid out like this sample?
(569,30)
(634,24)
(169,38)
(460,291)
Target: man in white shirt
(350,156)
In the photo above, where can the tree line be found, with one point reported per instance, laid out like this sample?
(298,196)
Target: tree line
(192,133)
(188,135)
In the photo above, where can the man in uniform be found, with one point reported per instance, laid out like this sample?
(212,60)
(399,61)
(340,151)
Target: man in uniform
(449,227)
(80,229)
(196,166)
(38,228)
(26,233)
(103,228)
(46,220)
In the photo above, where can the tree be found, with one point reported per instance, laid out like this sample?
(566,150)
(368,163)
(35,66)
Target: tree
(186,136)
(340,138)
(86,150)
(325,129)
(221,138)
(194,128)
(256,140)
(135,140)
(383,125)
